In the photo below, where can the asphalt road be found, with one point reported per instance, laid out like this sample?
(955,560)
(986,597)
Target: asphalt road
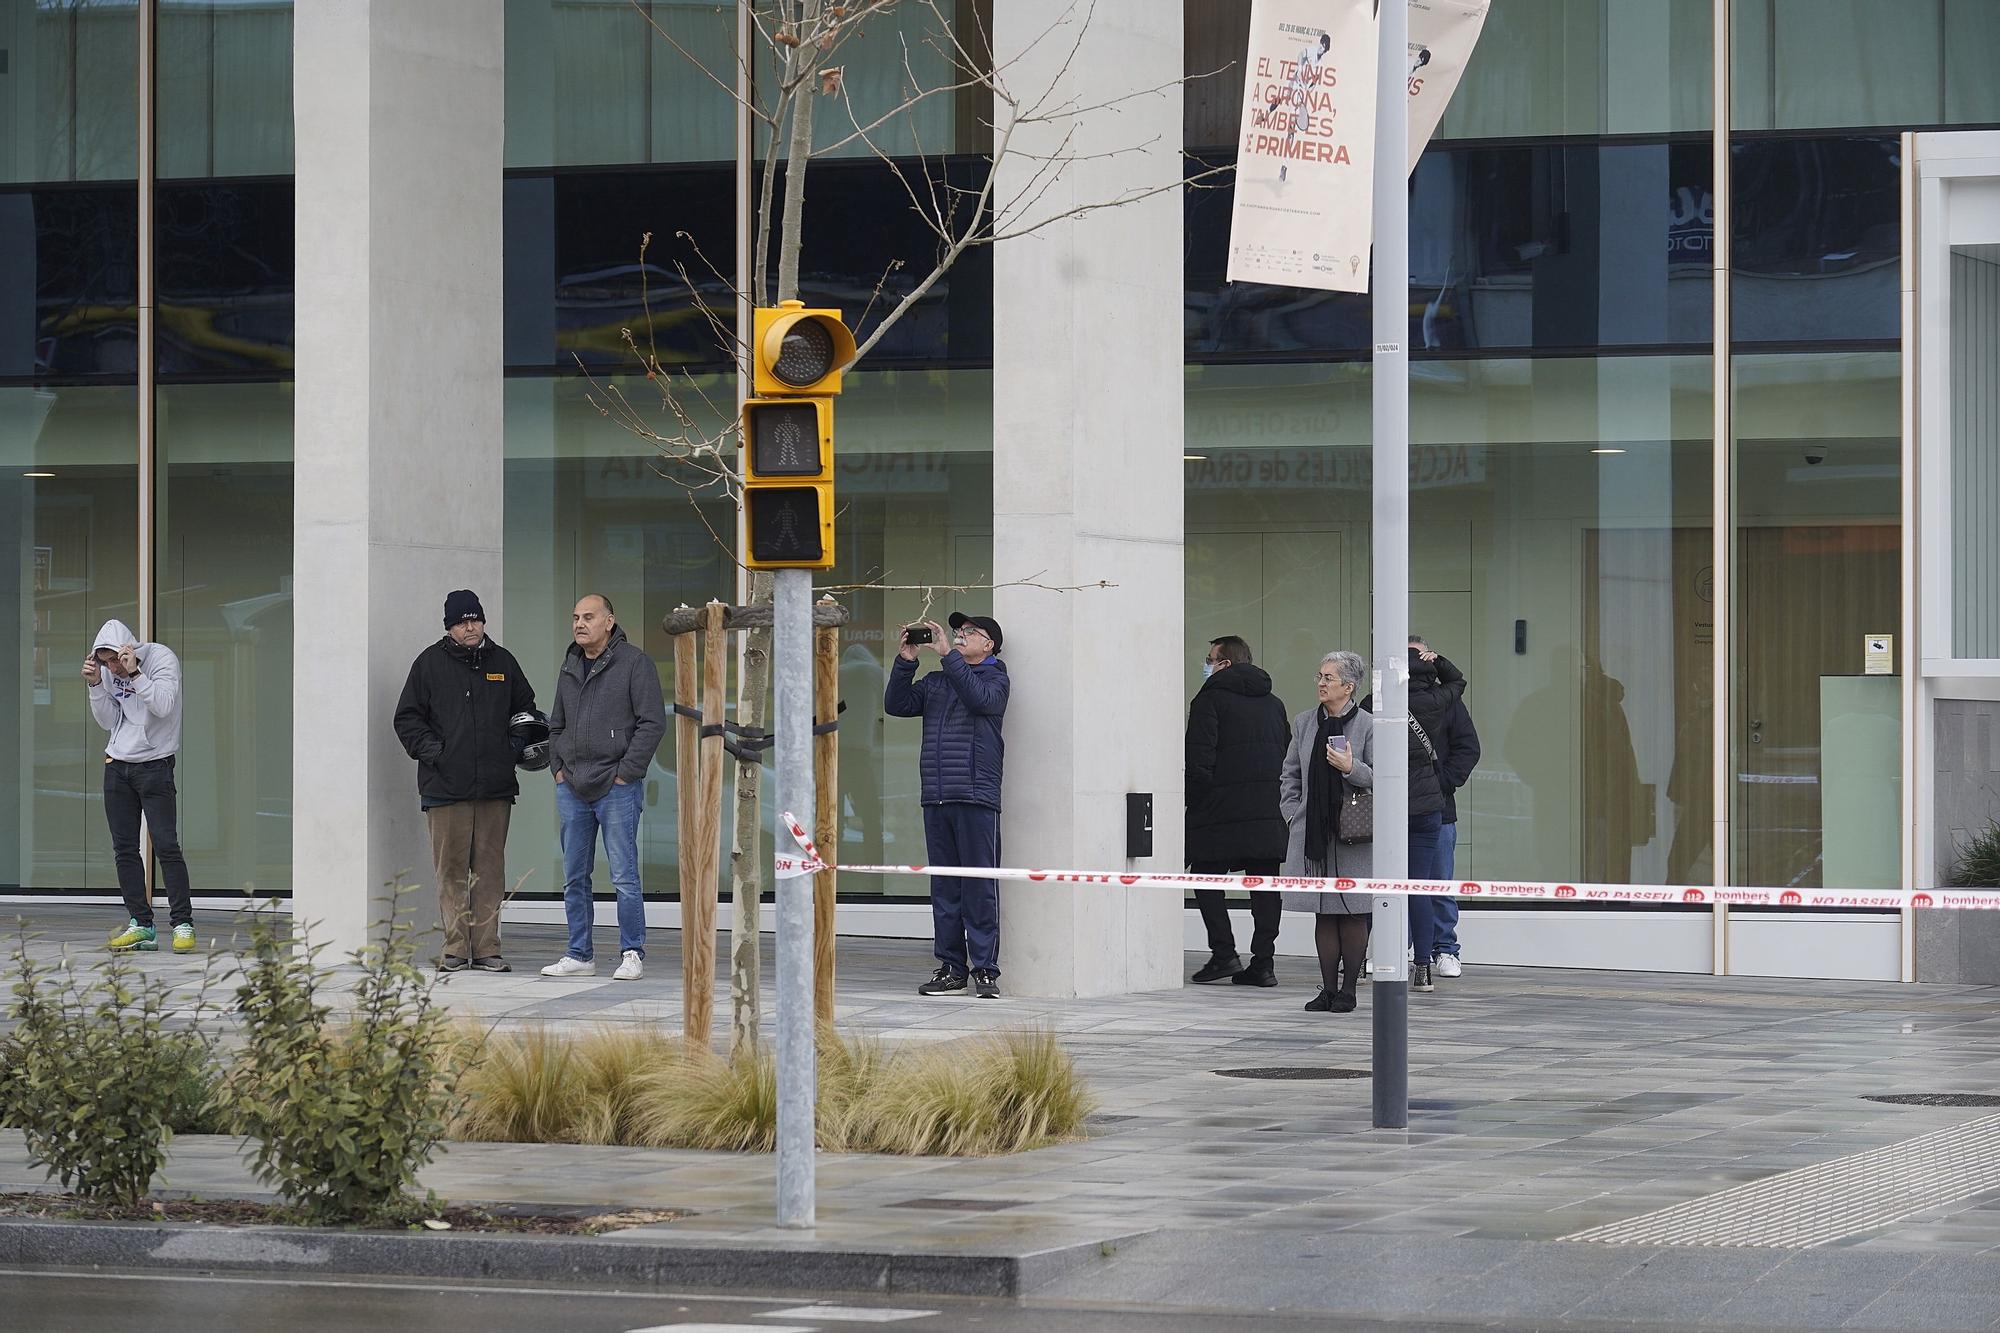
(66,1301)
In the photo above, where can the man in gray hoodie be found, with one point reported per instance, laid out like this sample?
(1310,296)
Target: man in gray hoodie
(607,721)
(135,694)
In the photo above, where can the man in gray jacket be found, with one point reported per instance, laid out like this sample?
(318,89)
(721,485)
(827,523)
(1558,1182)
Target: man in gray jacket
(607,721)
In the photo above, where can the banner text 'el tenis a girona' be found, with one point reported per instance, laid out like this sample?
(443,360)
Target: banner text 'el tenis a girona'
(1305,175)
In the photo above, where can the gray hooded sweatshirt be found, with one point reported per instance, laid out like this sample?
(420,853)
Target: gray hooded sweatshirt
(143,711)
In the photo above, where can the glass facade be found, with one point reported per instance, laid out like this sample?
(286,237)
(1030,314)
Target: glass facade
(1561,299)
(1560,529)
(69,421)
(1822,64)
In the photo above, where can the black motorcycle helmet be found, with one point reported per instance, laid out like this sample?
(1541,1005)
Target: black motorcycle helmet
(529,732)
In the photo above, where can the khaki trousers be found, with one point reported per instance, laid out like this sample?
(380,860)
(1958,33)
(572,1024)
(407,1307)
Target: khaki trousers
(469,847)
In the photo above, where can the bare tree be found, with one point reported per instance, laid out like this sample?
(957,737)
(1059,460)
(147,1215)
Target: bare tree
(797,63)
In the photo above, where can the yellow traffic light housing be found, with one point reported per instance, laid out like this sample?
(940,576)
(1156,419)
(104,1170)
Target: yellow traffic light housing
(796,360)
(788,483)
(798,351)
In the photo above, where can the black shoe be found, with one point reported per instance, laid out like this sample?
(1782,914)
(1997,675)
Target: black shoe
(1343,1002)
(985,983)
(1259,973)
(492,963)
(944,981)
(1321,1003)
(451,962)
(1420,977)
(1219,967)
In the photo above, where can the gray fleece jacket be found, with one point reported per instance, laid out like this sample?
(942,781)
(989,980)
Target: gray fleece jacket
(608,717)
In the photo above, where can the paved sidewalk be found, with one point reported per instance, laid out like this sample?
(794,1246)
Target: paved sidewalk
(1543,1103)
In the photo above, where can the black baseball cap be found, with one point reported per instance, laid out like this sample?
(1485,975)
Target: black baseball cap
(959,620)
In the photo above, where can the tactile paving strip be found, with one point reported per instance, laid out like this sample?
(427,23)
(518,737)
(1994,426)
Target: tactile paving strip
(1816,1205)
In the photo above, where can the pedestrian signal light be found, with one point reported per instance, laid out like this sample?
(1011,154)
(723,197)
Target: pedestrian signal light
(788,483)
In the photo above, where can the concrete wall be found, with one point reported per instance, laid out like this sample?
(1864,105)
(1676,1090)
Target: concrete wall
(1962,946)
(1087,488)
(399,481)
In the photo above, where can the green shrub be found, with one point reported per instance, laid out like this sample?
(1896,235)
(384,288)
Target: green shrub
(93,1077)
(343,1119)
(1977,865)
(196,1106)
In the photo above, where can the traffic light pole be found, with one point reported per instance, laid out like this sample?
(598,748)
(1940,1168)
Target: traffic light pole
(792,724)
(1391,995)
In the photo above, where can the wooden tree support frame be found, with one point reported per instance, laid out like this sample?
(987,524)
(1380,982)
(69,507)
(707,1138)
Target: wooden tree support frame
(701,651)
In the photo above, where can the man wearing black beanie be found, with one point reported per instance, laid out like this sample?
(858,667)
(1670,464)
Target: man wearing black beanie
(453,719)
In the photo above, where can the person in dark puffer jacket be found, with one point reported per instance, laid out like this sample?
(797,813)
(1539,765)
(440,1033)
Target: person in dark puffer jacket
(963,704)
(1237,735)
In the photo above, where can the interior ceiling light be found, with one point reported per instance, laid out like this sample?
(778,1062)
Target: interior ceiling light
(1607,451)
(1194,458)
(38,474)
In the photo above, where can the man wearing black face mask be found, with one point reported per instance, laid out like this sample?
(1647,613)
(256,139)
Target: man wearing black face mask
(1237,734)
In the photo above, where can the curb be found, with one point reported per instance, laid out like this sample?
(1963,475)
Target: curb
(634,1261)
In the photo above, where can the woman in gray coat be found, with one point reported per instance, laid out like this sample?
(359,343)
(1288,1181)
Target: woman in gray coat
(1330,756)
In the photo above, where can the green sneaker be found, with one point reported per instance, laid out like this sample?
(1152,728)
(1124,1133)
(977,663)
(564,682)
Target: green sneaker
(134,937)
(184,939)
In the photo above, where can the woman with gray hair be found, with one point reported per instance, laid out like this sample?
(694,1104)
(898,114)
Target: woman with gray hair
(1328,761)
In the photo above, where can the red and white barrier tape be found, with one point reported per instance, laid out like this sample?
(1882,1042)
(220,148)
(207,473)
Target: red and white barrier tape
(1878,899)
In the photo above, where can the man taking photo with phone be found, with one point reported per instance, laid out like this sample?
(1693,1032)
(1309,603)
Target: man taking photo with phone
(963,704)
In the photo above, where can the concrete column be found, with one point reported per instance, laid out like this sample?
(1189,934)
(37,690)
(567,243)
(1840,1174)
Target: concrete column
(399,468)
(1087,486)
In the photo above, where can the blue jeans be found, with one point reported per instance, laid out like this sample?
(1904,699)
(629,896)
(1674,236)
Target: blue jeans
(1447,908)
(1424,865)
(617,813)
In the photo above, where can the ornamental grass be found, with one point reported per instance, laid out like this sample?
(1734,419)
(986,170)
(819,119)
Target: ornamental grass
(639,1087)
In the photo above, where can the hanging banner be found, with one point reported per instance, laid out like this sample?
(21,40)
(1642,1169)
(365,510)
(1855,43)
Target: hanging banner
(1442,35)
(1305,162)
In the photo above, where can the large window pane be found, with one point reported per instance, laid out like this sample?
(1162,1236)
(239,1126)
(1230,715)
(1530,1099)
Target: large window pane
(224,510)
(592,82)
(1560,540)
(67,564)
(1808,64)
(1817,239)
(225,101)
(69,90)
(590,510)
(1818,462)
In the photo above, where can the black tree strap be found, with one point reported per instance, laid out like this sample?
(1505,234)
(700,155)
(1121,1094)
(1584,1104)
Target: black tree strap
(754,740)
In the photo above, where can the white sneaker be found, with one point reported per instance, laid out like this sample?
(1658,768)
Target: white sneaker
(631,967)
(567,966)
(1447,965)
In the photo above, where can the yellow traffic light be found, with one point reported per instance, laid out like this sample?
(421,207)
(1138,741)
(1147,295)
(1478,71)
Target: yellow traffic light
(797,356)
(798,351)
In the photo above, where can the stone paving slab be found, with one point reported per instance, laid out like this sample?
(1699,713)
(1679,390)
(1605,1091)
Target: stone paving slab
(1543,1102)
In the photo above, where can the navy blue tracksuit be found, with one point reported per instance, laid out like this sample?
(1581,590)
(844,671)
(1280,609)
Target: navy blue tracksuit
(962,706)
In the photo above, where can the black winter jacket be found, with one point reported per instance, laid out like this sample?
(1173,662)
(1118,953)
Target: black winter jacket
(1436,690)
(1237,734)
(1426,792)
(1458,754)
(452,719)
(962,707)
